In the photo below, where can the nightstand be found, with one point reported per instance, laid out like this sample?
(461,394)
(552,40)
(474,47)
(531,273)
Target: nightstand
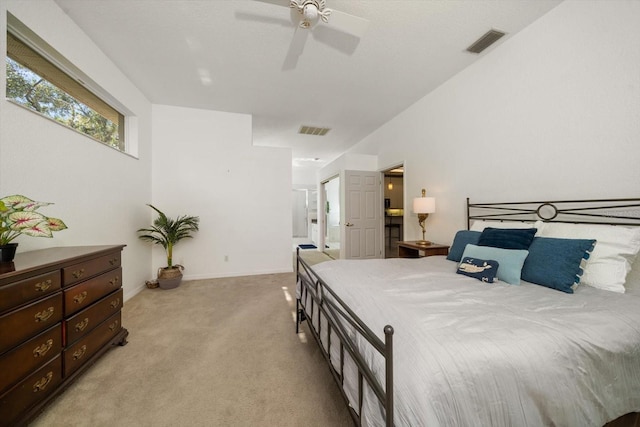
(413,250)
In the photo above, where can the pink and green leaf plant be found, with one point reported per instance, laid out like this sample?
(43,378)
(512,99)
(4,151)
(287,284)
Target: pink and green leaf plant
(18,216)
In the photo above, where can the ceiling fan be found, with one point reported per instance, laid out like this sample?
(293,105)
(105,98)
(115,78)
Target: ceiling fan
(308,14)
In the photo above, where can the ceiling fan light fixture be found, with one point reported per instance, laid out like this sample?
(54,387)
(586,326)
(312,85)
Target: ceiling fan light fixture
(311,10)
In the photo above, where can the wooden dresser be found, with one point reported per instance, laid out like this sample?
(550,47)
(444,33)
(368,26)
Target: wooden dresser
(60,310)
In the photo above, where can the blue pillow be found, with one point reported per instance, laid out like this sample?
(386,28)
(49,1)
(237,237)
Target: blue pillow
(510,260)
(507,238)
(555,263)
(483,270)
(462,239)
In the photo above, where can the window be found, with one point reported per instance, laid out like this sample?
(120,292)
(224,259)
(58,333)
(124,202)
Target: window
(37,83)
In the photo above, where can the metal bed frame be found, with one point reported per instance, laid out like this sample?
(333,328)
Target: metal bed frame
(332,309)
(604,211)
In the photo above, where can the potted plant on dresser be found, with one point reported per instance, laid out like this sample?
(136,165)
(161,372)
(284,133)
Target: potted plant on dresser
(18,216)
(167,232)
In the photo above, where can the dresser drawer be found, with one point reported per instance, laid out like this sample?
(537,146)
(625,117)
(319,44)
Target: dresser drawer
(21,292)
(24,359)
(86,293)
(30,391)
(85,321)
(84,270)
(19,325)
(77,354)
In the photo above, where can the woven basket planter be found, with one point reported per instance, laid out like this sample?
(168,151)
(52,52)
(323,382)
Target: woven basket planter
(169,278)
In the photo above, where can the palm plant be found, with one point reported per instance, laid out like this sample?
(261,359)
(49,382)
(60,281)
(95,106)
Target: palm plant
(167,231)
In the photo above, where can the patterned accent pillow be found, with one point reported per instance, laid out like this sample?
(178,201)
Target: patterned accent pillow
(483,270)
(510,260)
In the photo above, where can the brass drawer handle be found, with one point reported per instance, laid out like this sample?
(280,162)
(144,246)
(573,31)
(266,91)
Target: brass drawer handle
(41,350)
(113,326)
(78,273)
(113,261)
(80,326)
(43,382)
(114,281)
(80,297)
(115,303)
(44,315)
(79,352)
(43,286)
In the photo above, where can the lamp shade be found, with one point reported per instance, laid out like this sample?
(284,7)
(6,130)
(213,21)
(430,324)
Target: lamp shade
(424,205)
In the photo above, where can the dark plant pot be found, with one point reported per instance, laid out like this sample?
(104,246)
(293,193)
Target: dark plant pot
(169,278)
(7,267)
(8,252)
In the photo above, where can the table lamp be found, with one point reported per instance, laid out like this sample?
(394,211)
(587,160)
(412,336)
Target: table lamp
(423,206)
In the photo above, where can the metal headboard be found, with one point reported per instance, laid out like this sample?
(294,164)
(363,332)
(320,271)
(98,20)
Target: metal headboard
(604,211)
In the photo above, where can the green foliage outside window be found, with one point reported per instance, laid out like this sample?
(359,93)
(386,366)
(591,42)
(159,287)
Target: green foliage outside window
(32,91)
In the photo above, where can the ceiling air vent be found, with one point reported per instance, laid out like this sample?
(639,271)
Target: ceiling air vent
(485,41)
(310,130)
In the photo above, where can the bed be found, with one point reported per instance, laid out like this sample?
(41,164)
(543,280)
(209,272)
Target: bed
(410,342)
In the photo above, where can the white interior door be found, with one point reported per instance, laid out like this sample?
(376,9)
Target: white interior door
(363,219)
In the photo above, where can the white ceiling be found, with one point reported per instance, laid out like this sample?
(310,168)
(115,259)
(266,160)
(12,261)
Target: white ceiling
(231,55)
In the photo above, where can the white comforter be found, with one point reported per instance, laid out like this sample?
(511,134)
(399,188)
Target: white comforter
(467,353)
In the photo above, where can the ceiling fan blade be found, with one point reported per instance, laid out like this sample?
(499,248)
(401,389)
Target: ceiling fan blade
(284,3)
(290,62)
(335,39)
(246,16)
(296,47)
(346,23)
(299,40)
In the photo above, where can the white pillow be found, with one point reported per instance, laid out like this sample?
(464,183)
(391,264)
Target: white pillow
(632,285)
(610,261)
(479,225)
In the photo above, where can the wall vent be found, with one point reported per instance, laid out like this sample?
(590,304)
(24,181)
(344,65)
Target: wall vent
(311,130)
(485,41)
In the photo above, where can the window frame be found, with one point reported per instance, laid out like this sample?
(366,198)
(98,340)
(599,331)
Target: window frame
(91,94)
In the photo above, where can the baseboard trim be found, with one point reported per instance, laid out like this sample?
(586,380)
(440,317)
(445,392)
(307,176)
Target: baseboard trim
(234,274)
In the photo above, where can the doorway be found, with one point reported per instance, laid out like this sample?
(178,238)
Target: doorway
(331,211)
(393,188)
(300,213)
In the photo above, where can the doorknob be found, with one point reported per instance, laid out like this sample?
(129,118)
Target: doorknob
(349,224)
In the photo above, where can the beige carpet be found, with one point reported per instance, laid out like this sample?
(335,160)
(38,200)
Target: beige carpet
(220,352)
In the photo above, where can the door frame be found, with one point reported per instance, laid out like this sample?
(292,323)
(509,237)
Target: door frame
(322,217)
(322,214)
(404,202)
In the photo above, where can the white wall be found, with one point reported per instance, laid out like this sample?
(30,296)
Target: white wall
(552,113)
(204,165)
(303,177)
(348,161)
(98,191)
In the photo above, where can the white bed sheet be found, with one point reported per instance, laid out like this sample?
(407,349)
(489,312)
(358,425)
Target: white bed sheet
(467,353)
